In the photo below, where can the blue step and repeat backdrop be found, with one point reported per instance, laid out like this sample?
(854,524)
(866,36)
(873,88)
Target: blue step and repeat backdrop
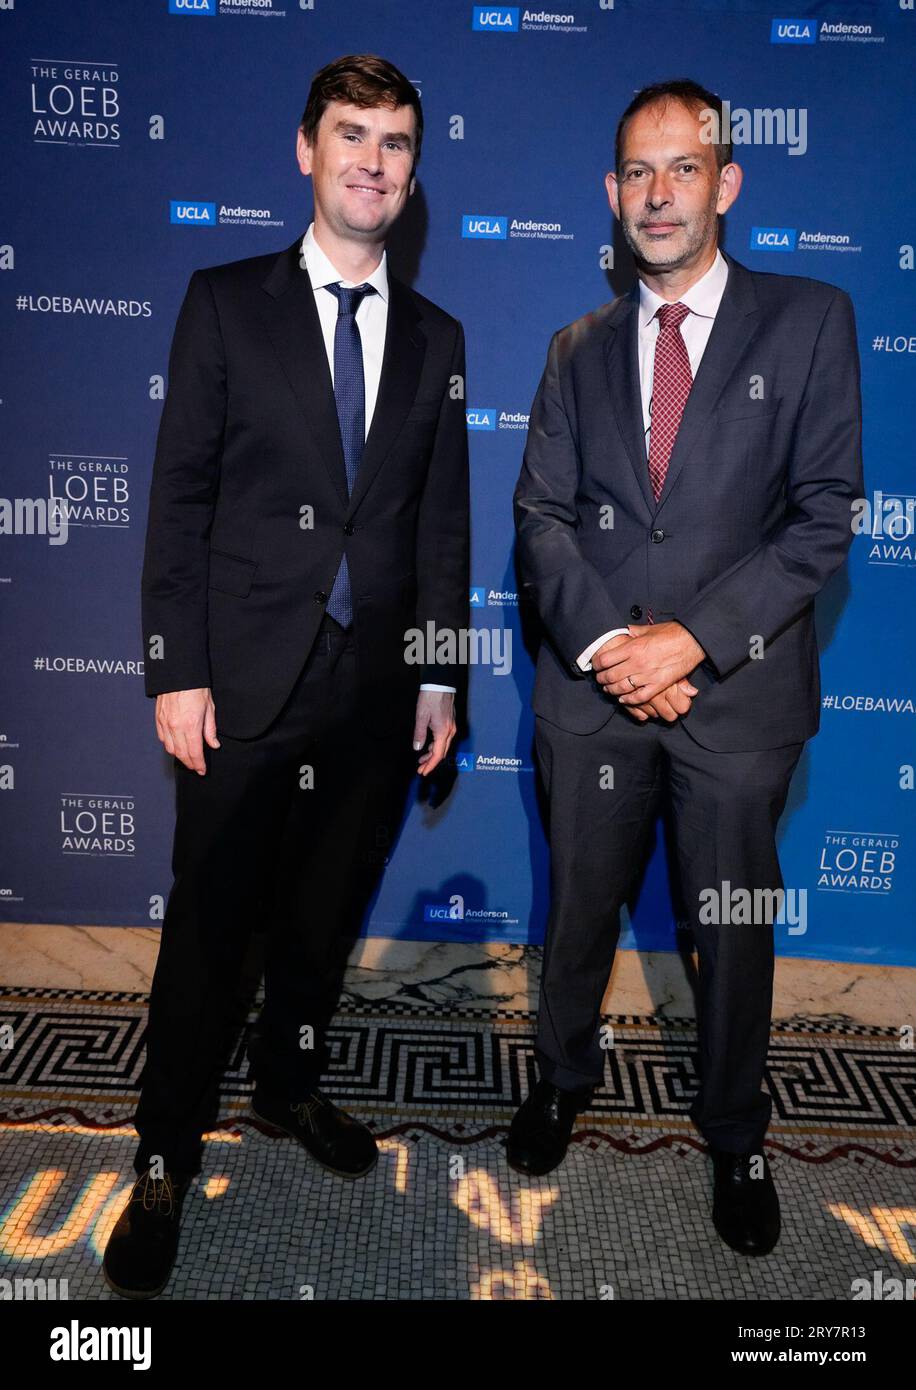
(114,111)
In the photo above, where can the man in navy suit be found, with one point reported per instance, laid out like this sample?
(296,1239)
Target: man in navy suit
(693,454)
(309,506)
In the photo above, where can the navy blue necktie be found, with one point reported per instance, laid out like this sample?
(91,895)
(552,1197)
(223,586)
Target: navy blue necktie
(350,395)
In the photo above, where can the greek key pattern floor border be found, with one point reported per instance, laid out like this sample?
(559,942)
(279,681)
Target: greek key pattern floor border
(459,1071)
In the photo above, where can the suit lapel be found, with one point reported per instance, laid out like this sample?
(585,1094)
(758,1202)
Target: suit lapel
(295,331)
(402,360)
(292,322)
(735,323)
(621,358)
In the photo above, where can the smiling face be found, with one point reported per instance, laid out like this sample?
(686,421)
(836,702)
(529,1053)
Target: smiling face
(360,165)
(668,190)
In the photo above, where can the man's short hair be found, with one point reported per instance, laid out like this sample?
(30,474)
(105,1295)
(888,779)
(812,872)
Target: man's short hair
(360,79)
(694,97)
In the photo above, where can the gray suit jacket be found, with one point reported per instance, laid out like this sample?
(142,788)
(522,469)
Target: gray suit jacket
(754,517)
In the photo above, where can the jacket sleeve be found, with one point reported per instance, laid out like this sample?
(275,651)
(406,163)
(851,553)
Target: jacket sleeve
(569,593)
(182,499)
(443,525)
(771,587)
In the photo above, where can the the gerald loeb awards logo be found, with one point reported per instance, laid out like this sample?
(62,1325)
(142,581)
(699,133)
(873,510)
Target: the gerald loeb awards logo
(75,103)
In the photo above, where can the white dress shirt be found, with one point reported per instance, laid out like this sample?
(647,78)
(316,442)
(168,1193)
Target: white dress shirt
(371,320)
(703,300)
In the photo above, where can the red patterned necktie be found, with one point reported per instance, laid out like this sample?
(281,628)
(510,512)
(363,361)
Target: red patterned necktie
(671,383)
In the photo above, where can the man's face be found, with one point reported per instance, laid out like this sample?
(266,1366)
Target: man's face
(360,165)
(668,190)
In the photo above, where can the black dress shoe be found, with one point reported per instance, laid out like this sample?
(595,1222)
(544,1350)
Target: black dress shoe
(141,1248)
(745,1209)
(540,1130)
(334,1139)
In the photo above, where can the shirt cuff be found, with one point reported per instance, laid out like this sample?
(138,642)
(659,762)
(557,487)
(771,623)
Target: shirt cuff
(584,659)
(450,688)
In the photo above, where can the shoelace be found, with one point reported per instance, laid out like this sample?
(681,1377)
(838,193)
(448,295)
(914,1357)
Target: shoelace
(305,1109)
(163,1194)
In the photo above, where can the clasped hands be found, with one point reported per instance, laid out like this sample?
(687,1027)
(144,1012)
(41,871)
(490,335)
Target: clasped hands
(646,670)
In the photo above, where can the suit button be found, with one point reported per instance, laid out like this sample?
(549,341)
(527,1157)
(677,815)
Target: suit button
(635,611)
(658,537)
(348,528)
(320,596)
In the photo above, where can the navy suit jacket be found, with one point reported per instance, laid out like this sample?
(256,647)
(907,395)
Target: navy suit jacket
(754,517)
(234,586)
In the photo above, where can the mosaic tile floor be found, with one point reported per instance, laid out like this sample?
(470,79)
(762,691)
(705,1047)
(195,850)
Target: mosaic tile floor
(442,1216)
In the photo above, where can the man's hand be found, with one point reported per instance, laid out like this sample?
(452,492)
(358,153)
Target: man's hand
(436,716)
(184,718)
(648,663)
(620,640)
(671,704)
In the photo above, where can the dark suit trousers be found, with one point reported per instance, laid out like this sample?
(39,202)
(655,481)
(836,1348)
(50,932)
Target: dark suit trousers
(256,844)
(724,808)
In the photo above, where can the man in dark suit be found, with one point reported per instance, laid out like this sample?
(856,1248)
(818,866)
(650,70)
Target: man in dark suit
(309,506)
(677,579)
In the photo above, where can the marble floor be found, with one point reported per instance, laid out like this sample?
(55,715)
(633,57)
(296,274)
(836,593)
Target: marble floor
(492,974)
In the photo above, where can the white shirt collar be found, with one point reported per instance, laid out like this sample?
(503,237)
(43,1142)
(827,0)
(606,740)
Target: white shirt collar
(703,298)
(322,271)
